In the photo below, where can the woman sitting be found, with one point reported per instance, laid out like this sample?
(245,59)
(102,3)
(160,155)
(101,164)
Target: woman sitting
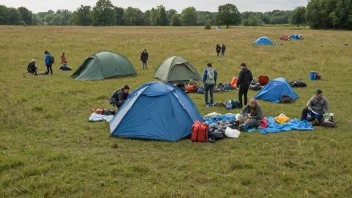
(31,68)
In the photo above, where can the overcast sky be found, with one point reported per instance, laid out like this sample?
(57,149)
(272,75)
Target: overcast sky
(201,5)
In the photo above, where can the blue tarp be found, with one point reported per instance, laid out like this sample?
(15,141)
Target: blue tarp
(215,119)
(294,124)
(157,111)
(274,89)
(263,41)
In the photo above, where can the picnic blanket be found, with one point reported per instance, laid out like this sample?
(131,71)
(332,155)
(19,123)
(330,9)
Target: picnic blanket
(97,117)
(293,124)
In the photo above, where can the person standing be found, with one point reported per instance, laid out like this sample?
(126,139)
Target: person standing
(144,59)
(218,49)
(244,80)
(223,49)
(209,79)
(49,60)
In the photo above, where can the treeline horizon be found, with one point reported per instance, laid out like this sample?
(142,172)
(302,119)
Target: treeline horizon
(318,14)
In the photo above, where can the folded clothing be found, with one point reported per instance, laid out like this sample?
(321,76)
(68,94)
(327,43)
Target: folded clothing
(98,117)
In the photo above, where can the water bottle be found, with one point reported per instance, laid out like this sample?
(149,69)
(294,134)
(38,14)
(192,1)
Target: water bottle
(228,105)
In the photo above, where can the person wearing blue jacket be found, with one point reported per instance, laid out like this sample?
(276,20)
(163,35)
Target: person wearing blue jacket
(209,79)
(48,62)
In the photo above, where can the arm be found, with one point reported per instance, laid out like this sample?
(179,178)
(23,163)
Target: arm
(251,77)
(309,103)
(215,76)
(244,110)
(326,108)
(205,75)
(121,98)
(240,78)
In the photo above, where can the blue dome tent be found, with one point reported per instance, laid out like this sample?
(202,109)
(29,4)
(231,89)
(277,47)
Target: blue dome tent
(158,111)
(274,89)
(263,41)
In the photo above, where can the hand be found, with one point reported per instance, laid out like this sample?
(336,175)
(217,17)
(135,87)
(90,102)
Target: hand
(309,108)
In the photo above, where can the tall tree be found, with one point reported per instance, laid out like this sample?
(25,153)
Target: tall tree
(147,15)
(189,16)
(170,13)
(153,16)
(119,15)
(228,14)
(82,16)
(175,21)
(298,16)
(252,20)
(162,16)
(103,13)
(27,15)
(4,15)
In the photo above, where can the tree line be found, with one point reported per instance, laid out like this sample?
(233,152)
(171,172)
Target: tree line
(319,14)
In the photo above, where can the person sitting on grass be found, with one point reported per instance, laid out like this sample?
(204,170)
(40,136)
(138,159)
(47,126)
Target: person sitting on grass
(64,67)
(316,107)
(252,114)
(119,96)
(31,68)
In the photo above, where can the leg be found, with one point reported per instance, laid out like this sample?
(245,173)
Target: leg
(206,89)
(245,91)
(143,65)
(252,123)
(211,87)
(47,69)
(146,64)
(305,111)
(51,69)
(240,93)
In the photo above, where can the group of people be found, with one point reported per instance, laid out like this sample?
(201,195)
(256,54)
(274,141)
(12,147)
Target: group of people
(48,61)
(221,49)
(252,113)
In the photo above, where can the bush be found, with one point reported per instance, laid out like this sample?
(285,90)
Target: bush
(207,25)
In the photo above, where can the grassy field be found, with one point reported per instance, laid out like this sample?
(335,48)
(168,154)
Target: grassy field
(49,149)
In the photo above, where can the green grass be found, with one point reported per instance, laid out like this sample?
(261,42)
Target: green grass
(49,149)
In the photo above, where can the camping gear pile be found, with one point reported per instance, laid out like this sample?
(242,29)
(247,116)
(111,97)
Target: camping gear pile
(255,85)
(298,83)
(314,75)
(101,114)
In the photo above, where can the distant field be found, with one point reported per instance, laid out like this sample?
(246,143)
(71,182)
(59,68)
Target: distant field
(49,149)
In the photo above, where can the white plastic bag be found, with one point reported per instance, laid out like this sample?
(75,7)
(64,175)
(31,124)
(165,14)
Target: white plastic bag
(232,133)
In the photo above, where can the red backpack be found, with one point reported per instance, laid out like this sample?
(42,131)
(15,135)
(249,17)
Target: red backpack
(263,80)
(199,132)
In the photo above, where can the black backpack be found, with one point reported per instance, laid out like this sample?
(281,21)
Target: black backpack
(298,83)
(52,59)
(285,98)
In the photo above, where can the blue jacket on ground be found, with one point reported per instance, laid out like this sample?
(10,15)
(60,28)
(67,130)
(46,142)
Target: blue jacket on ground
(47,60)
(205,74)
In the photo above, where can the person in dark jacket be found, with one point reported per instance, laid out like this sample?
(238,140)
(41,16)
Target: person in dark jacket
(119,96)
(48,62)
(144,59)
(209,79)
(223,49)
(252,114)
(31,68)
(218,49)
(244,80)
(317,106)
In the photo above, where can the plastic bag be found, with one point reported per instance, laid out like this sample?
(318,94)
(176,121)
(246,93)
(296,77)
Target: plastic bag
(232,133)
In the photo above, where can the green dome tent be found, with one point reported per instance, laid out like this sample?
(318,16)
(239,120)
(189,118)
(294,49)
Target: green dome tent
(176,68)
(103,65)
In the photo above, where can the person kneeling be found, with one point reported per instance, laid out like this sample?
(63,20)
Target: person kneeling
(119,96)
(316,107)
(251,114)
(31,68)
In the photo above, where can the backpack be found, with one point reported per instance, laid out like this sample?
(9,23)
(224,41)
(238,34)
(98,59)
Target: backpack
(210,77)
(263,80)
(285,98)
(318,76)
(255,87)
(199,132)
(298,83)
(52,59)
(328,124)
(234,82)
(191,88)
(200,90)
